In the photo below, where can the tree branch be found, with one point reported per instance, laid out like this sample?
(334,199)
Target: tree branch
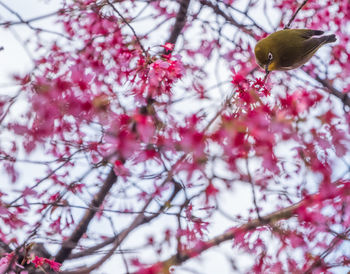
(28,22)
(295,14)
(81,228)
(229,19)
(342,96)
(180,21)
(139,220)
(177,259)
(284,213)
(91,250)
(130,27)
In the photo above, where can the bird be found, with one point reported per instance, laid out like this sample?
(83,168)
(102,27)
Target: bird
(289,48)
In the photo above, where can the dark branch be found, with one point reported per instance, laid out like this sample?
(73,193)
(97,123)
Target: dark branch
(180,21)
(342,96)
(230,234)
(295,14)
(139,220)
(228,18)
(270,219)
(120,235)
(81,228)
(130,27)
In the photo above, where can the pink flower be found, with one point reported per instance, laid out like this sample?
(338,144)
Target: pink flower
(38,261)
(168,46)
(54,265)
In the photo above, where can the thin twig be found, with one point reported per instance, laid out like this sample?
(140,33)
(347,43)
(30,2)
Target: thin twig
(27,22)
(65,204)
(228,18)
(23,21)
(130,27)
(266,76)
(82,226)
(251,181)
(319,260)
(11,101)
(343,96)
(46,177)
(295,14)
(117,240)
(230,234)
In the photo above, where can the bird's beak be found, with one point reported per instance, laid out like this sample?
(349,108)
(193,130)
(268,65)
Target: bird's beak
(267,68)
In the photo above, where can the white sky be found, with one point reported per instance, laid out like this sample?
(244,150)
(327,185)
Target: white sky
(14,59)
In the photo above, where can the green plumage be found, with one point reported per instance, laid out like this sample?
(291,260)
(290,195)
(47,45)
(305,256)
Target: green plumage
(289,48)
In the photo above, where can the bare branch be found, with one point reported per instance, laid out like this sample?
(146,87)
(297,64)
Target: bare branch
(180,21)
(228,18)
(28,22)
(342,96)
(130,27)
(81,228)
(295,14)
(23,21)
(270,219)
(122,235)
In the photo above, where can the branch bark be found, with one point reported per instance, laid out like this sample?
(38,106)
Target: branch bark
(342,96)
(228,18)
(81,228)
(178,259)
(269,219)
(116,241)
(295,14)
(118,238)
(180,21)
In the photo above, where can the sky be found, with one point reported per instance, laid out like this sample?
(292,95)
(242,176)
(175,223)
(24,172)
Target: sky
(17,58)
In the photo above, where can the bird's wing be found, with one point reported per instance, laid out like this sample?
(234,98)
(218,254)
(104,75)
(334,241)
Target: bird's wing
(310,32)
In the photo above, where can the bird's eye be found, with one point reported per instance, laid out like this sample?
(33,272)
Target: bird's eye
(269,56)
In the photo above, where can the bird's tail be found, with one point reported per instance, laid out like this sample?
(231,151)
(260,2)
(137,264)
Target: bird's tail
(329,38)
